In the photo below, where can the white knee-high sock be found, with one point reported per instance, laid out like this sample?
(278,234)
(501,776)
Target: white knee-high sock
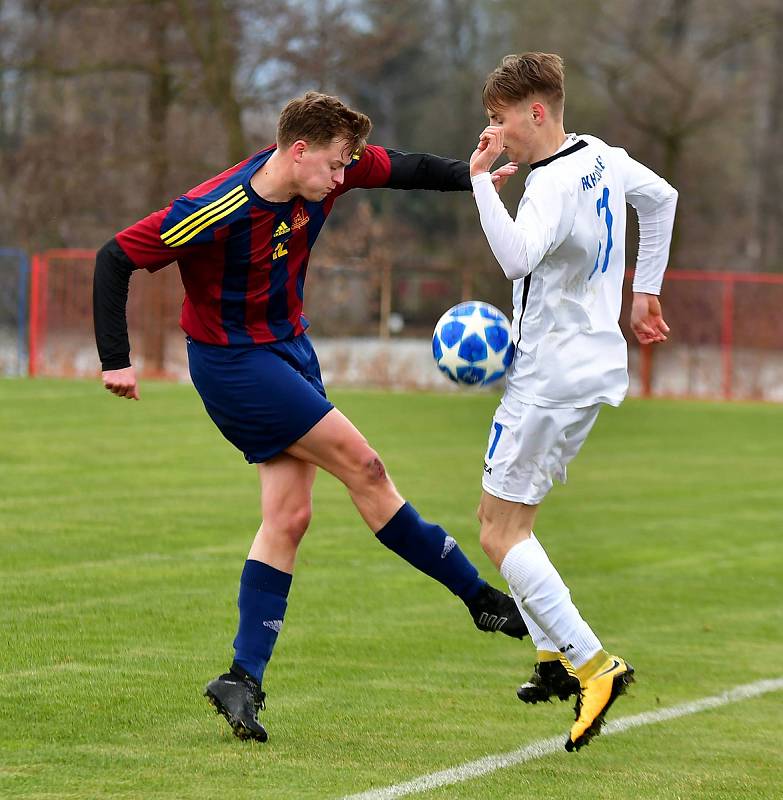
(539,638)
(547,601)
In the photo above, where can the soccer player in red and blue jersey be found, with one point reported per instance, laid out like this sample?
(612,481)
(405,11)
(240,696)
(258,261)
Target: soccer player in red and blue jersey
(242,241)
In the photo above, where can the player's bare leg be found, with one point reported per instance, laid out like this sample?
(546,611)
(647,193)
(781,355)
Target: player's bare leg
(337,446)
(286,509)
(286,500)
(503,524)
(554,621)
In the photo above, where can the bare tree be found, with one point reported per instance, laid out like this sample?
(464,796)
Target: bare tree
(111,107)
(769,166)
(213,30)
(675,76)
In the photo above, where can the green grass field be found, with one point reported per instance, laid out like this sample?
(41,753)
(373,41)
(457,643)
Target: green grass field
(124,527)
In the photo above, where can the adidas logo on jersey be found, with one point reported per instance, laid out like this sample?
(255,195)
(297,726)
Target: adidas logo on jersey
(282,229)
(274,624)
(449,544)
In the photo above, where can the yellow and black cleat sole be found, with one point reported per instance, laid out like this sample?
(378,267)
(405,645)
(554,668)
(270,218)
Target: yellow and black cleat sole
(619,685)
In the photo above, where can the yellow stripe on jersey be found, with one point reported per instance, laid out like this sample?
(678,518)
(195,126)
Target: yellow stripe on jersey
(235,192)
(194,223)
(206,222)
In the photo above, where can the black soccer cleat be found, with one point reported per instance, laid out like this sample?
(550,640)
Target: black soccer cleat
(549,679)
(494,611)
(238,697)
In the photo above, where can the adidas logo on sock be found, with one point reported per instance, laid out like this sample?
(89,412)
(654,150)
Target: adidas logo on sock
(448,545)
(274,624)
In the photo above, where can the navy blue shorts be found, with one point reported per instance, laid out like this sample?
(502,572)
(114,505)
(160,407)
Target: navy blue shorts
(262,397)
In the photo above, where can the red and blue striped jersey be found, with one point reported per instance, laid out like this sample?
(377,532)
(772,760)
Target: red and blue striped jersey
(242,259)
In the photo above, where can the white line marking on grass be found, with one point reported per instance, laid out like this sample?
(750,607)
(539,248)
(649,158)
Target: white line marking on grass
(545,747)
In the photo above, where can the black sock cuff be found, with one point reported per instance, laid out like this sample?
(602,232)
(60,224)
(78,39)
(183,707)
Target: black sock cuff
(243,674)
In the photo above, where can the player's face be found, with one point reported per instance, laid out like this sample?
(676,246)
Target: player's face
(320,170)
(519,131)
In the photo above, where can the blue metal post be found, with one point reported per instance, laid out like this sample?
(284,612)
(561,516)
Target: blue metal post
(23,303)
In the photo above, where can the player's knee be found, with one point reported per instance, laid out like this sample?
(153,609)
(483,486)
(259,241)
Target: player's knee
(292,523)
(367,469)
(300,519)
(374,469)
(491,535)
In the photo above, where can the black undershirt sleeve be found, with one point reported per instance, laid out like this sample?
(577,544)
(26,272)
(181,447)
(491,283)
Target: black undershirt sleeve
(425,171)
(113,271)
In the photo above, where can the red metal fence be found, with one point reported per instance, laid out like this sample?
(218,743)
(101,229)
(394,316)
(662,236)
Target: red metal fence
(726,338)
(61,338)
(731,322)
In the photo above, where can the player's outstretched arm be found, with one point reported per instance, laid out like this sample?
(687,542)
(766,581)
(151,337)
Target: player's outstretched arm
(647,320)
(501,175)
(427,171)
(110,296)
(380,167)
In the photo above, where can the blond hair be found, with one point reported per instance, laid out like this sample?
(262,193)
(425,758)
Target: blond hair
(520,76)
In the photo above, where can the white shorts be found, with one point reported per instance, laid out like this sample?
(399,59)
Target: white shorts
(529,447)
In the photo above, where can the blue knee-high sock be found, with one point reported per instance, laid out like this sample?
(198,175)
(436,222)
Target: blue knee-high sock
(263,593)
(430,549)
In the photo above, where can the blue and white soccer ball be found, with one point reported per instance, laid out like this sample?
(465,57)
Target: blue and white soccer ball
(472,344)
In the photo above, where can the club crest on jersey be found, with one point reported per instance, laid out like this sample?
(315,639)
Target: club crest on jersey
(282,230)
(299,220)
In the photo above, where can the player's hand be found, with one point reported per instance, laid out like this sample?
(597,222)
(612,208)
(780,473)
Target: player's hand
(647,321)
(121,382)
(501,175)
(489,147)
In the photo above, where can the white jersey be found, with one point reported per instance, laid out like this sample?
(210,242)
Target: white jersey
(565,253)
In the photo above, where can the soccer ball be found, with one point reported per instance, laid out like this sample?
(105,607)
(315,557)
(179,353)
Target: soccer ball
(472,344)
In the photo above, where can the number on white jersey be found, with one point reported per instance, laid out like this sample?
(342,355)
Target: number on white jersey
(604,203)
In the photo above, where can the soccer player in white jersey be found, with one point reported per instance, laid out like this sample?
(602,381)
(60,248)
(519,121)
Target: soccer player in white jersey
(564,252)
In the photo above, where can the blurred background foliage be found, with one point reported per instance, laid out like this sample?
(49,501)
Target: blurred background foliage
(109,109)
